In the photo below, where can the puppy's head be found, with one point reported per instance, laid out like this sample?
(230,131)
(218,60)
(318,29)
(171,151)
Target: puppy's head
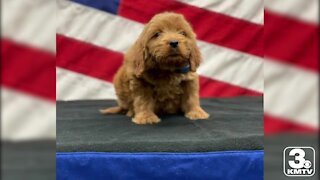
(167,43)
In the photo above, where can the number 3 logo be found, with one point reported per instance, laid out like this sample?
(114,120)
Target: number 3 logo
(299,158)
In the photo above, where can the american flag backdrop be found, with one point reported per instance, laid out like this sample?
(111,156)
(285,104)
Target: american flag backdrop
(92,39)
(72,51)
(28,70)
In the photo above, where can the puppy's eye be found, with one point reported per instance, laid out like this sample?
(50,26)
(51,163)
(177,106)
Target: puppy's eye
(157,34)
(183,33)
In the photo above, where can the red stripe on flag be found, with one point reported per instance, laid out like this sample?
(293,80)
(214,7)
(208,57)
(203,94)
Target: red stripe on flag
(87,59)
(291,41)
(209,26)
(102,63)
(28,69)
(273,125)
(215,88)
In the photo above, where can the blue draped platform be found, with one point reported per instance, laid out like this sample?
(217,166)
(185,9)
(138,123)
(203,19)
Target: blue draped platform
(227,146)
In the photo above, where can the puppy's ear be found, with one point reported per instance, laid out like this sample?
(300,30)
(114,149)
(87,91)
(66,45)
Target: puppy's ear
(195,57)
(139,58)
(140,53)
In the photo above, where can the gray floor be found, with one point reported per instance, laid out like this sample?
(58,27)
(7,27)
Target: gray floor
(31,160)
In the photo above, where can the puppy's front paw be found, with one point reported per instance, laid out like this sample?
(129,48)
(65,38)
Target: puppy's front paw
(197,113)
(146,118)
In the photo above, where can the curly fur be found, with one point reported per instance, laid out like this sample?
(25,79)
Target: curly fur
(148,84)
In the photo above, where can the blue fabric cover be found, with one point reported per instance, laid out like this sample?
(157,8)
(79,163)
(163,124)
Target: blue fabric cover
(233,165)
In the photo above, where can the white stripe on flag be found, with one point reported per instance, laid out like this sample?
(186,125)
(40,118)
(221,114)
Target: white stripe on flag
(30,22)
(303,10)
(26,117)
(118,34)
(249,10)
(83,87)
(291,92)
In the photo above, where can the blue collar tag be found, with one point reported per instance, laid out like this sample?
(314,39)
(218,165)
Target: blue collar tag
(184,69)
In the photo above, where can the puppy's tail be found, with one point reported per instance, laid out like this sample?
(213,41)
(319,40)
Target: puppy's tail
(111,110)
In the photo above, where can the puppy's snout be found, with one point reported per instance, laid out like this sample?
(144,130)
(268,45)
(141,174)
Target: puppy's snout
(174,43)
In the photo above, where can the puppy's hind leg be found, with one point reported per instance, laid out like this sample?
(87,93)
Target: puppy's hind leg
(112,110)
(122,108)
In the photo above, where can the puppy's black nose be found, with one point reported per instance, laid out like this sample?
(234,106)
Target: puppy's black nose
(174,43)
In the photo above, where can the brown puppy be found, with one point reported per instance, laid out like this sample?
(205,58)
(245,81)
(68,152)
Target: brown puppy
(159,73)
